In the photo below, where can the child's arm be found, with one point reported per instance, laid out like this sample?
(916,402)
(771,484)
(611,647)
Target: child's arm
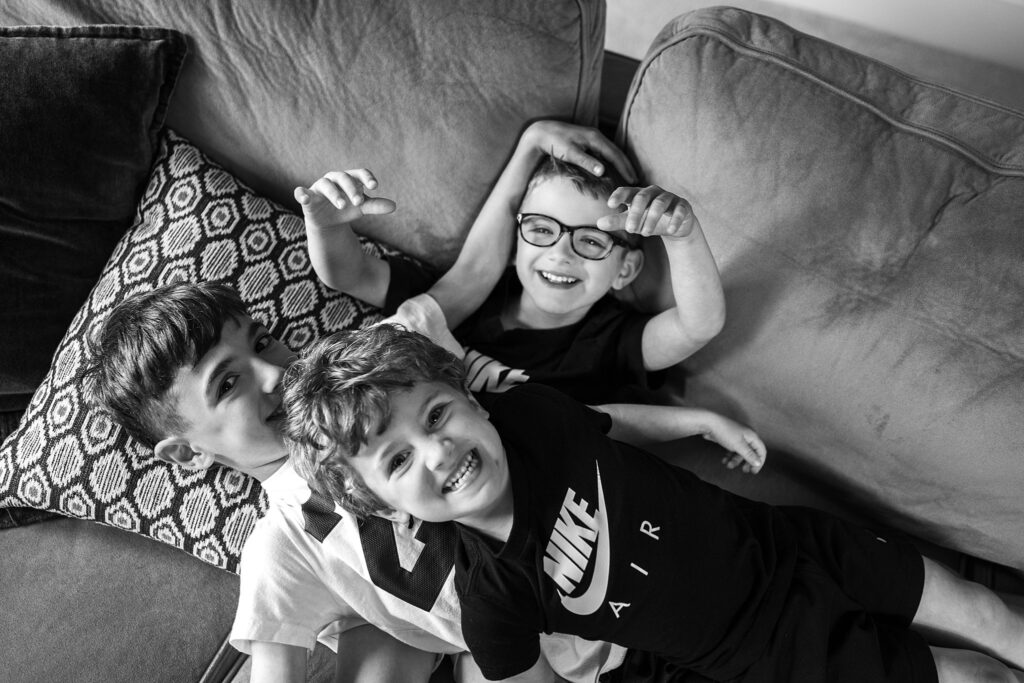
(277,663)
(483,257)
(365,654)
(643,425)
(699,313)
(328,207)
(539,673)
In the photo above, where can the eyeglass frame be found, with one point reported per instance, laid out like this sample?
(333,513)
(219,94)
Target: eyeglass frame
(567,229)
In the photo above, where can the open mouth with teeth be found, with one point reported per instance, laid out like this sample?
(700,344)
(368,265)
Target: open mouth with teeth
(556,279)
(464,473)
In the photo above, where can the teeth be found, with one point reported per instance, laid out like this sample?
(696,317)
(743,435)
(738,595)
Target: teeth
(557,279)
(469,465)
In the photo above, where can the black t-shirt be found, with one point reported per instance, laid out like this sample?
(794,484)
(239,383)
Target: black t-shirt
(597,360)
(610,543)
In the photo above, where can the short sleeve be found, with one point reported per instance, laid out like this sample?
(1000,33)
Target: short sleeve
(502,645)
(408,279)
(635,381)
(281,600)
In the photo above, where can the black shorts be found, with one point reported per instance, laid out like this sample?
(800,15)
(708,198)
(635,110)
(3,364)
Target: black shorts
(846,618)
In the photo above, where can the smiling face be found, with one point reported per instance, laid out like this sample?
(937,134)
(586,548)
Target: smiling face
(230,403)
(559,286)
(439,459)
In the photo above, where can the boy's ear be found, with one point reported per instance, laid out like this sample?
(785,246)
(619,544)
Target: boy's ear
(632,264)
(403,518)
(178,451)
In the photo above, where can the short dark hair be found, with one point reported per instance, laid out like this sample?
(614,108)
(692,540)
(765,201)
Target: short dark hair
(136,352)
(598,187)
(339,392)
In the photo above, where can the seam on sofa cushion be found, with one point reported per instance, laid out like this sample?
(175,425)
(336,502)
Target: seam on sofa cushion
(695,29)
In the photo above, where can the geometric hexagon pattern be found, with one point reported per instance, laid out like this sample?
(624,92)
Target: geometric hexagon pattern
(195,221)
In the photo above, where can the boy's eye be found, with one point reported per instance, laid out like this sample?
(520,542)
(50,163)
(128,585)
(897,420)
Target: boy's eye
(227,385)
(397,461)
(593,239)
(435,415)
(263,342)
(539,229)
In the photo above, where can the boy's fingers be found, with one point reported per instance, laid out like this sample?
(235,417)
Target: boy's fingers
(365,176)
(612,154)
(576,156)
(350,185)
(377,206)
(621,195)
(328,188)
(612,222)
(301,195)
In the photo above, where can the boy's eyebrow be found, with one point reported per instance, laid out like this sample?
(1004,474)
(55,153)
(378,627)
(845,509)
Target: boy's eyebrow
(383,454)
(219,369)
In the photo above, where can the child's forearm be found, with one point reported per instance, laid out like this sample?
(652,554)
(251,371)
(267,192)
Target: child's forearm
(339,261)
(643,425)
(699,313)
(277,663)
(483,257)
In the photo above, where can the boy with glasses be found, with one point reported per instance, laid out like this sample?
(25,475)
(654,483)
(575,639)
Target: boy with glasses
(552,320)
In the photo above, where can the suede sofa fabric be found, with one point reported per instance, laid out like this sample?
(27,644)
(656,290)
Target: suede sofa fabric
(92,604)
(868,228)
(430,96)
(81,110)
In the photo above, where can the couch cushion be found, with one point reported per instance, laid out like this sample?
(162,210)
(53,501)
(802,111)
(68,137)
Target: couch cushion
(91,604)
(430,95)
(868,230)
(81,111)
(196,222)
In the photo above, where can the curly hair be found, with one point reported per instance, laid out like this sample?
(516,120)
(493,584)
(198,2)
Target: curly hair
(136,352)
(338,394)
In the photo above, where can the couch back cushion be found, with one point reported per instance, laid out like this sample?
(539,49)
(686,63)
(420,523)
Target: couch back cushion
(429,95)
(869,229)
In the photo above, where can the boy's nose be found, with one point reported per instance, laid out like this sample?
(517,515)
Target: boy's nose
(563,246)
(439,453)
(270,375)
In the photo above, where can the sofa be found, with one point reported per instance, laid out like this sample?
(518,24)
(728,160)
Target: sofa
(867,226)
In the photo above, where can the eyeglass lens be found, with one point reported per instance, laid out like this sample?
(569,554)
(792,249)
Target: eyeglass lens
(590,243)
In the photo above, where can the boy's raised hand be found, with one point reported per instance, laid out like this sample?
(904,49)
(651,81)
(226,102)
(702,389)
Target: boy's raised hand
(744,445)
(340,197)
(649,211)
(578,145)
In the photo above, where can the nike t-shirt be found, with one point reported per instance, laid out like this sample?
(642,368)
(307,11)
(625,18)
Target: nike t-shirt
(610,543)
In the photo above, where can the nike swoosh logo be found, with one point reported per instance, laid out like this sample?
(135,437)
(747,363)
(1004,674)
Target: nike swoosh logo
(593,597)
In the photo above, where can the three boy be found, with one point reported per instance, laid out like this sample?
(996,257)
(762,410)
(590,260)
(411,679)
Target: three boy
(562,528)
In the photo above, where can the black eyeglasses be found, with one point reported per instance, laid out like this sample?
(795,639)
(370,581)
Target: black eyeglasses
(588,241)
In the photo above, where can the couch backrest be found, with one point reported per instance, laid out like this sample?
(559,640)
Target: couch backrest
(869,228)
(430,95)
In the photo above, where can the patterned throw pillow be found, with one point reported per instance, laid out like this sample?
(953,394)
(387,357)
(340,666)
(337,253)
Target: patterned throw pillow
(195,222)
